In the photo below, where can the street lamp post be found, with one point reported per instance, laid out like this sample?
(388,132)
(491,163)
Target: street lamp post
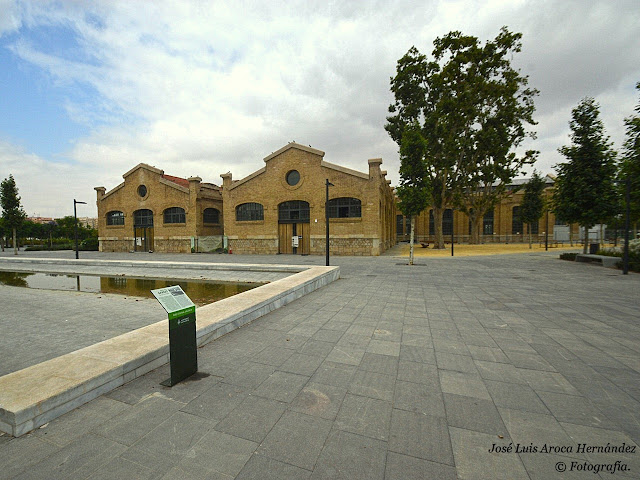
(326,216)
(75,222)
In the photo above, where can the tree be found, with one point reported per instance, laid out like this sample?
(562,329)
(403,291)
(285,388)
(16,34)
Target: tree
(584,190)
(532,204)
(414,188)
(12,211)
(630,165)
(471,106)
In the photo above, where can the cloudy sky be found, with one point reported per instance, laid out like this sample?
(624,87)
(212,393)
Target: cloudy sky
(90,89)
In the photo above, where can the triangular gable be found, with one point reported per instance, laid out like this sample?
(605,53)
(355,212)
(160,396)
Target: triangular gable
(294,145)
(146,167)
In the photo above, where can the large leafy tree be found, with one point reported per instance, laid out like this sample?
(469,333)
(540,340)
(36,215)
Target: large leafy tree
(12,212)
(532,206)
(414,186)
(630,165)
(471,106)
(585,192)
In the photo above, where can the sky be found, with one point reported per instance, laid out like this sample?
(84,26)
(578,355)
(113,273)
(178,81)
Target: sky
(90,89)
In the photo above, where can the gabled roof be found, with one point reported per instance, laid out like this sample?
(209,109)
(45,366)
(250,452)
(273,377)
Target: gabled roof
(294,145)
(146,167)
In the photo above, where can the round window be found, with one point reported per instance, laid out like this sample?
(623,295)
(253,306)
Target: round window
(293,177)
(142,191)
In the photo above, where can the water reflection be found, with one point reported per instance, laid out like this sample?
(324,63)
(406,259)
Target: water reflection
(200,292)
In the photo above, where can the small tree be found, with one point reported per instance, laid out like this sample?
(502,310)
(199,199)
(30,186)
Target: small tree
(532,206)
(584,191)
(414,187)
(12,211)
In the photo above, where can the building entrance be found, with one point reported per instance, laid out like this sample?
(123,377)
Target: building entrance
(143,230)
(293,227)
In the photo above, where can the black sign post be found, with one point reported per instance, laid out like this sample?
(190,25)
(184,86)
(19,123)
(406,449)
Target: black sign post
(183,350)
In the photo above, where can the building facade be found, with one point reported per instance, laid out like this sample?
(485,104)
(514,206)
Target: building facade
(281,207)
(503,224)
(151,211)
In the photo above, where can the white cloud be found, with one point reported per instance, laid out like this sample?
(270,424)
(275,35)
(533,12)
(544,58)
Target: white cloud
(206,87)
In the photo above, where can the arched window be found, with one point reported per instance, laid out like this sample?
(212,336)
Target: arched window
(294,211)
(516,221)
(115,218)
(175,215)
(345,207)
(249,211)
(487,223)
(143,218)
(211,215)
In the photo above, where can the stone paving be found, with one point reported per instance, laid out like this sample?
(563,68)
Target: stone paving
(392,372)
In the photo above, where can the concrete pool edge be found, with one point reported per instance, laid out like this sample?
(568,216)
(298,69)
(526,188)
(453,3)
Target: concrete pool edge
(31,397)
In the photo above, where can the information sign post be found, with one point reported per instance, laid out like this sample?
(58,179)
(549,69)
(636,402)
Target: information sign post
(182,332)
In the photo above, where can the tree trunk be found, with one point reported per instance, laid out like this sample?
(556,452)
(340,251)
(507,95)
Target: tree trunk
(438,213)
(411,240)
(570,235)
(601,235)
(586,238)
(2,242)
(530,242)
(474,238)
(15,243)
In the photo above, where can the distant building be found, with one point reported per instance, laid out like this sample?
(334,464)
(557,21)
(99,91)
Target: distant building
(151,211)
(501,224)
(88,222)
(280,208)
(41,220)
(277,209)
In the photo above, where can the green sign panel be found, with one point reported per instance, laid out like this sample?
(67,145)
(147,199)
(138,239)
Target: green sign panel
(182,332)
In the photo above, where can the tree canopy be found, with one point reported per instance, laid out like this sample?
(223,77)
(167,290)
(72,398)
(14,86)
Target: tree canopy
(630,165)
(584,191)
(470,106)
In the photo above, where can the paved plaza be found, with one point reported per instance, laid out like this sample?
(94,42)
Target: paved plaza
(391,372)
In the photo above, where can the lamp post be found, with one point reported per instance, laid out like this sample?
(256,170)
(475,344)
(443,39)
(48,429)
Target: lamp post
(327,184)
(75,222)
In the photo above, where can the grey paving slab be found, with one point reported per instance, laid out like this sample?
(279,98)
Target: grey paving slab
(403,467)
(296,439)
(474,462)
(302,364)
(79,459)
(319,400)
(281,386)
(515,396)
(218,453)
(466,384)
(265,468)
(364,416)
(217,402)
(371,384)
(474,414)
(333,373)
(252,419)
(421,436)
(419,398)
(347,456)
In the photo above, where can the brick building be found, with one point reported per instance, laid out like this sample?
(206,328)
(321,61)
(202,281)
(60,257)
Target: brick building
(281,207)
(502,224)
(151,211)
